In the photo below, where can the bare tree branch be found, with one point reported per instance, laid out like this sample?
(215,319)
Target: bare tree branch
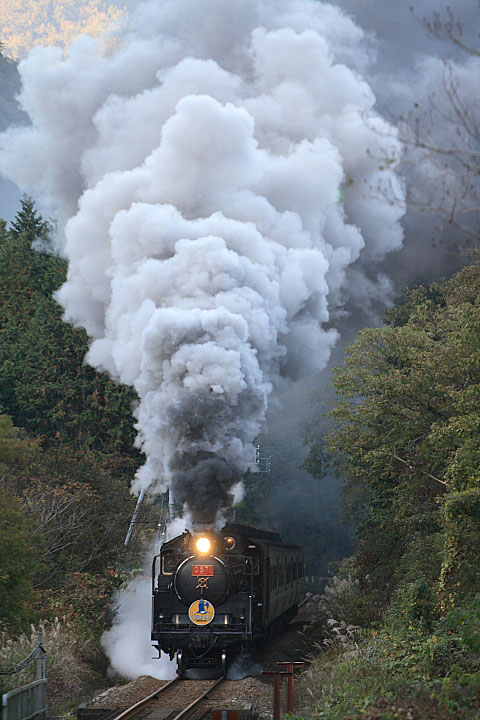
(411,467)
(449,30)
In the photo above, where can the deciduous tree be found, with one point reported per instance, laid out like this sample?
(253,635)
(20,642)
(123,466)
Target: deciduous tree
(408,423)
(53,22)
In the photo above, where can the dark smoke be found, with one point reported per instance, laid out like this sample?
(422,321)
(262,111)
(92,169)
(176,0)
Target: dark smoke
(201,480)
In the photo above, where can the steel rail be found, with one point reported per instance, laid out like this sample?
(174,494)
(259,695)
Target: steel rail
(184,713)
(133,709)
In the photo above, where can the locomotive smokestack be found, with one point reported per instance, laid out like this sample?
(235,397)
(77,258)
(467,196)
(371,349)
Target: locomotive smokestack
(202,527)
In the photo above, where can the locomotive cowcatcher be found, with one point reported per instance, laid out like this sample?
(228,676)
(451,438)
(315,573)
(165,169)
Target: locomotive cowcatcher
(219,594)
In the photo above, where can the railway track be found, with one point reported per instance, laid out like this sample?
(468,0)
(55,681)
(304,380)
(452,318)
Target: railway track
(167,703)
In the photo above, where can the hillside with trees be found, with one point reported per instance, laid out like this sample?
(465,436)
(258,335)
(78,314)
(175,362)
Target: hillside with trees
(43,22)
(396,628)
(66,462)
(402,618)
(396,632)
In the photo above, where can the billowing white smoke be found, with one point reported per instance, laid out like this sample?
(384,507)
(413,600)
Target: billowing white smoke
(216,178)
(127,642)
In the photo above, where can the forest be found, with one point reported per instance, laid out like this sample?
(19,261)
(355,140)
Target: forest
(43,22)
(399,624)
(399,619)
(66,439)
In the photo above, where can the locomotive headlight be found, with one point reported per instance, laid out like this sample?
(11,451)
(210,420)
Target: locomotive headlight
(203,545)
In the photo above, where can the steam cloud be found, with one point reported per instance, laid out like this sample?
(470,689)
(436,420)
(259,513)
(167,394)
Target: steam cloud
(216,180)
(127,642)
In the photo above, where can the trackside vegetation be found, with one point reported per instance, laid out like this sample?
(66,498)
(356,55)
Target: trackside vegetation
(66,461)
(398,632)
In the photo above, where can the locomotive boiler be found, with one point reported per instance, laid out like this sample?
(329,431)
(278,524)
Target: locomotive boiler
(220,594)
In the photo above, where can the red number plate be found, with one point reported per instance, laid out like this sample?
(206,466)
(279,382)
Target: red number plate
(203,570)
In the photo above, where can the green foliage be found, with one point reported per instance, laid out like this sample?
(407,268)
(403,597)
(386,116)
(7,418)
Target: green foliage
(417,602)
(19,553)
(44,384)
(79,507)
(29,223)
(460,576)
(15,446)
(67,457)
(466,622)
(20,547)
(397,671)
(407,439)
(408,424)
(63,519)
(85,601)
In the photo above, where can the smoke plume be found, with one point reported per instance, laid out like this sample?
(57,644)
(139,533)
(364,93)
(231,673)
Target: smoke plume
(221,194)
(127,643)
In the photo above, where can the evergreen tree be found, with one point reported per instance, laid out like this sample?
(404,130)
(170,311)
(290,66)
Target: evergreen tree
(29,223)
(18,555)
(45,386)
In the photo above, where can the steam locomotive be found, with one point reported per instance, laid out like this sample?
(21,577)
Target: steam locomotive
(220,594)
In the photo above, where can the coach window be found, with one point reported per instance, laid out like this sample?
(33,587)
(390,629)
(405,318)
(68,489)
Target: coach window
(251,565)
(273,578)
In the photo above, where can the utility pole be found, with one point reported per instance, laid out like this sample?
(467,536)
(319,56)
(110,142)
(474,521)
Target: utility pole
(133,521)
(264,464)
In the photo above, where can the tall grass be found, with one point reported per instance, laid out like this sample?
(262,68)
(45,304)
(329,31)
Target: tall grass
(392,672)
(67,654)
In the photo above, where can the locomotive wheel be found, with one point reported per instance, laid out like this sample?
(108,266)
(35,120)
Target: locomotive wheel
(180,664)
(223,662)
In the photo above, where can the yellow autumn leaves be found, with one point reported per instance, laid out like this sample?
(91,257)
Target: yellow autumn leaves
(26,23)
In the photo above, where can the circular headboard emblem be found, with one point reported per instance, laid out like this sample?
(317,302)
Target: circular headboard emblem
(201,612)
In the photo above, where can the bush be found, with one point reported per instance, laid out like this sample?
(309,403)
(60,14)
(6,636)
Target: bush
(344,605)
(460,576)
(19,558)
(466,622)
(414,604)
(396,671)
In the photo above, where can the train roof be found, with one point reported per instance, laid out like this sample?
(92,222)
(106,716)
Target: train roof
(264,537)
(251,532)
(267,536)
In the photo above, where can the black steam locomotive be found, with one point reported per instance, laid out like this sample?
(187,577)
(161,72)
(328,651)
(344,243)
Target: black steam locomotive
(218,594)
